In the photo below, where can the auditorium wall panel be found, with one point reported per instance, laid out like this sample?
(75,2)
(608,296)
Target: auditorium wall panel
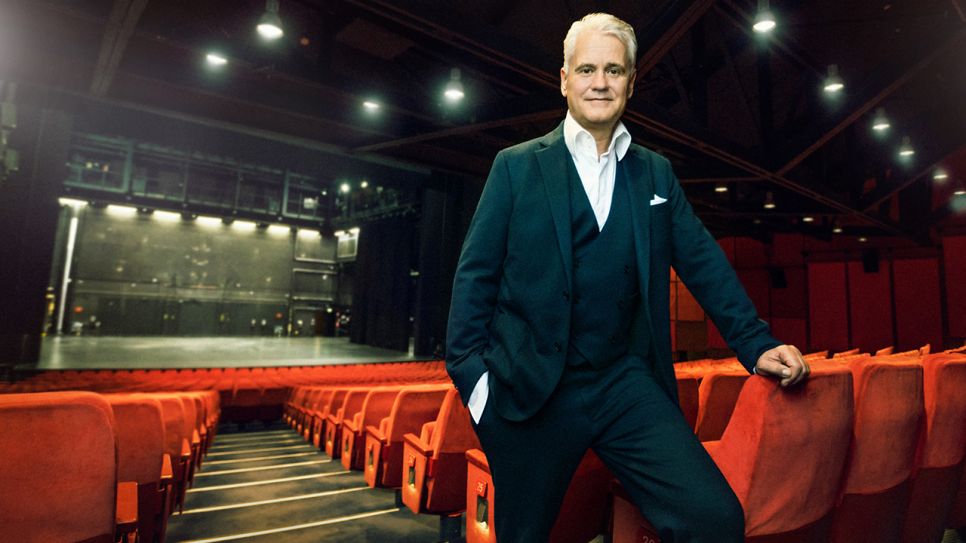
(756,283)
(954,256)
(917,295)
(790,301)
(870,301)
(791,331)
(828,311)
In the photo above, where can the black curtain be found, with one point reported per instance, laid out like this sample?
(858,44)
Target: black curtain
(382,284)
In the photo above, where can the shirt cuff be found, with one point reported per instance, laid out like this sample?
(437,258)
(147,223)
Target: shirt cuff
(478,397)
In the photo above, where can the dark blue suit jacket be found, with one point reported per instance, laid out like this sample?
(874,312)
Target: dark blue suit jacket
(510,311)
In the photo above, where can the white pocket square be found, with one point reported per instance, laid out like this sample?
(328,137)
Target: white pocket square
(657,200)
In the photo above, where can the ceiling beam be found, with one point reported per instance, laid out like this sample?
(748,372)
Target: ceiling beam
(124,18)
(507,56)
(890,77)
(661,37)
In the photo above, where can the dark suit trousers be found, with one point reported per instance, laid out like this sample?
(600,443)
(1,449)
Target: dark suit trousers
(633,426)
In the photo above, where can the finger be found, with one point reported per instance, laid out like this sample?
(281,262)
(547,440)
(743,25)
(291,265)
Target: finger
(773,368)
(798,367)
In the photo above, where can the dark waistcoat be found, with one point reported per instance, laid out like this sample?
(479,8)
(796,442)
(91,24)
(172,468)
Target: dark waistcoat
(606,293)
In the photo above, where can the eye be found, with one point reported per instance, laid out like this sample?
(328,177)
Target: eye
(615,71)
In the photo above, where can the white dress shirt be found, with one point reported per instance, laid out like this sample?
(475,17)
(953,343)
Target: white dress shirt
(598,174)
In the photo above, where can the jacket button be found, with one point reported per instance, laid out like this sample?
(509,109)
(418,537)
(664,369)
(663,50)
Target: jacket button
(556,347)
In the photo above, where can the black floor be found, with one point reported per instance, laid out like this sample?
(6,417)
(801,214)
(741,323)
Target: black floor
(268,485)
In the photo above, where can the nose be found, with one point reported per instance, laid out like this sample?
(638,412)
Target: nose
(599,80)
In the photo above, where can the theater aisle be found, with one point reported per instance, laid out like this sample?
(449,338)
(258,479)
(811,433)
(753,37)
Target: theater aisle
(270,486)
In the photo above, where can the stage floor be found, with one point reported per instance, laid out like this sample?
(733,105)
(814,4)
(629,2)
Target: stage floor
(206,352)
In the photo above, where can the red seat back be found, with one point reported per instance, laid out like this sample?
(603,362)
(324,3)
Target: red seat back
(58,474)
(811,426)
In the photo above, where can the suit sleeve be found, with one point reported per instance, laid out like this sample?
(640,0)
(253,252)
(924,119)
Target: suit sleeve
(477,281)
(699,261)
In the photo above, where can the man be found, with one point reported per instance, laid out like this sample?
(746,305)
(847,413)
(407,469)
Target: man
(559,338)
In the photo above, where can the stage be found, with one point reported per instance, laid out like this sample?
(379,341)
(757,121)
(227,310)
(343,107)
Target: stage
(85,352)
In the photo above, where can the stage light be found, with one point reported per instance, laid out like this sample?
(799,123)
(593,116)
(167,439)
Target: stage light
(70,202)
(270,25)
(880,123)
(764,19)
(769,201)
(209,222)
(243,226)
(721,187)
(344,188)
(166,216)
(906,150)
(121,211)
(833,81)
(216,59)
(940,175)
(454,88)
(278,230)
(371,106)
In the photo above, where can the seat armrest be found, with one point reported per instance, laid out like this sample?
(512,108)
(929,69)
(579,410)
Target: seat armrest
(413,441)
(426,433)
(126,515)
(185,450)
(195,438)
(376,433)
(167,474)
(350,425)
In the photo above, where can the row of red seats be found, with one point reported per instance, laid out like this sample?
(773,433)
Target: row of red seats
(82,466)
(410,437)
(246,394)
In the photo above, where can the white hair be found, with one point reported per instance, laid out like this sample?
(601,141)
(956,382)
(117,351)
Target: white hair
(607,24)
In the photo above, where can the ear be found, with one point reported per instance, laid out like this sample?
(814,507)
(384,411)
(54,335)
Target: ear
(563,81)
(630,83)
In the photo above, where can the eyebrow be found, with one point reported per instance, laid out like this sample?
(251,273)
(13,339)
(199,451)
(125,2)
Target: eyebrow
(606,66)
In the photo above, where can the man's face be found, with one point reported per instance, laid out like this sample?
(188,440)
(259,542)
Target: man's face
(599,82)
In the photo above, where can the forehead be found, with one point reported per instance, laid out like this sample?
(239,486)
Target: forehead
(594,47)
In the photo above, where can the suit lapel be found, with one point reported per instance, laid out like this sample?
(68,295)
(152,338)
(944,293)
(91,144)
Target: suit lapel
(554,160)
(641,187)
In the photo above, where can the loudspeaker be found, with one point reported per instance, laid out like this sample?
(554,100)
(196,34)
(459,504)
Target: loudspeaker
(778,279)
(870,261)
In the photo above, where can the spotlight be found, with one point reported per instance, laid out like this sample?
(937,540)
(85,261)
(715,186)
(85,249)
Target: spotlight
(833,81)
(764,19)
(837,230)
(70,202)
(454,89)
(769,201)
(364,184)
(270,25)
(344,188)
(906,150)
(863,239)
(808,219)
(371,106)
(880,123)
(721,187)
(940,175)
(216,59)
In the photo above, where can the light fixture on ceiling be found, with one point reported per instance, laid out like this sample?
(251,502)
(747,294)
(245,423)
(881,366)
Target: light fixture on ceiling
(764,19)
(833,81)
(808,218)
(960,189)
(364,184)
(371,106)
(769,201)
(270,24)
(836,229)
(454,88)
(863,239)
(344,188)
(880,123)
(940,175)
(216,59)
(906,150)
(721,187)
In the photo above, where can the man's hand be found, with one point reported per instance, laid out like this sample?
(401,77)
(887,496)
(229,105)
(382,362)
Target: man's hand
(784,362)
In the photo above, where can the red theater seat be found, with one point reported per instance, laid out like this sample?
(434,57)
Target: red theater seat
(940,454)
(809,426)
(413,407)
(139,427)
(434,463)
(176,445)
(375,407)
(315,413)
(888,417)
(333,398)
(688,397)
(582,516)
(717,395)
(58,476)
(351,404)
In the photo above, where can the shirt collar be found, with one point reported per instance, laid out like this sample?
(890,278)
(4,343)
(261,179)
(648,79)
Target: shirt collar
(580,141)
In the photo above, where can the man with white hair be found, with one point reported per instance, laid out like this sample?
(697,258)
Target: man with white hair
(559,337)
